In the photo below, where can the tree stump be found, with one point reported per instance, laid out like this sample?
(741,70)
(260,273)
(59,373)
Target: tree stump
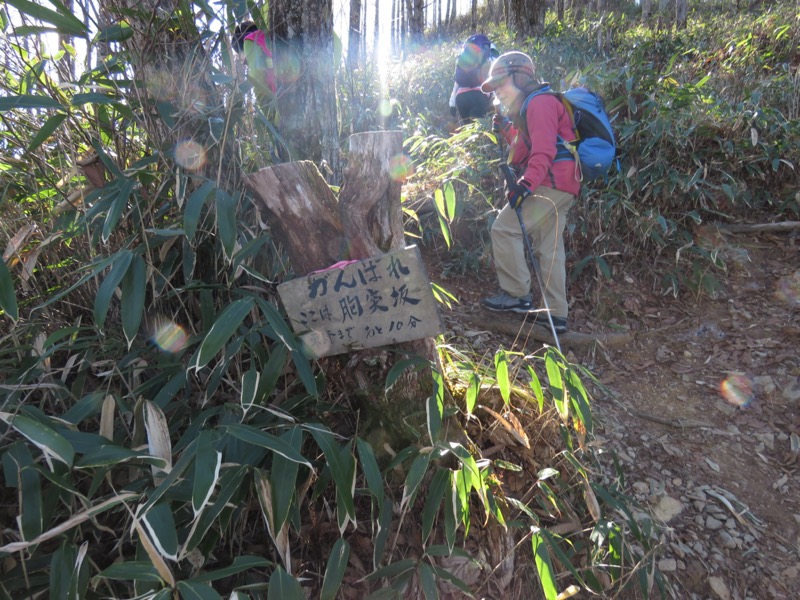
(317,230)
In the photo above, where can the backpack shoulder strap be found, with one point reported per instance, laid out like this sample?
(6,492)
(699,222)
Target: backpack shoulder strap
(545,89)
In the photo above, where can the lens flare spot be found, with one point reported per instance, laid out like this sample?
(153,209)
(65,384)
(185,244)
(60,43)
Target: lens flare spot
(386,107)
(190,155)
(170,337)
(288,70)
(160,84)
(788,289)
(737,389)
(401,167)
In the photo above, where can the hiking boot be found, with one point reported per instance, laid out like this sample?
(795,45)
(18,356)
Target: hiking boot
(505,302)
(559,323)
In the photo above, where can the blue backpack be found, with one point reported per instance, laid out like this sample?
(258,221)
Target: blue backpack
(594,147)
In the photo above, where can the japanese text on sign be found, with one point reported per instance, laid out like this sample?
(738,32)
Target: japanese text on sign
(373,302)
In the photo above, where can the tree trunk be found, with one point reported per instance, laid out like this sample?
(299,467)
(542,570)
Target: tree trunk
(303,35)
(527,17)
(680,14)
(354,35)
(317,231)
(417,21)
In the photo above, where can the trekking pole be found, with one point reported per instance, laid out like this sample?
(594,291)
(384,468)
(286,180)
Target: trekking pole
(511,180)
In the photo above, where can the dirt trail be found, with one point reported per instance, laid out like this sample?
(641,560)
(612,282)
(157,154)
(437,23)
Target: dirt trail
(704,414)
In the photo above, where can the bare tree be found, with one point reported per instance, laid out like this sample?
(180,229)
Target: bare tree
(303,35)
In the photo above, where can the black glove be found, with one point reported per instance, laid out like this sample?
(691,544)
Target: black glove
(452,111)
(516,193)
(500,123)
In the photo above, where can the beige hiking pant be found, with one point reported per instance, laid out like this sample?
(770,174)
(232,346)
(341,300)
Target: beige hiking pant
(545,215)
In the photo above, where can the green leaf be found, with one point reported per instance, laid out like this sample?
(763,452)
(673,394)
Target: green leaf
(239,565)
(415,475)
(134,570)
(115,33)
(283,586)
(160,525)
(86,407)
(118,205)
(334,570)
(544,566)
(400,366)
(536,386)
(133,289)
(283,477)
(342,465)
(109,454)
(94,98)
(226,221)
(43,437)
(191,215)
(501,372)
(223,329)
(24,101)
(428,581)
(8,299)
(473,388)
(102,301)
(193,590)
(392,569)
(450,199)
(62,567)
(18,467)
(371,470)
(555,383)
(438,200)
(439,484)
(207,463)
(254,436)
(63,21)
(434,407)
(46,131)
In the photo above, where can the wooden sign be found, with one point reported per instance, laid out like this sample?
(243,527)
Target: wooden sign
(368,303)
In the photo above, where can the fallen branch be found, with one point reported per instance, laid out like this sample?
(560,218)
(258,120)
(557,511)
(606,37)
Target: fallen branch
(517,326)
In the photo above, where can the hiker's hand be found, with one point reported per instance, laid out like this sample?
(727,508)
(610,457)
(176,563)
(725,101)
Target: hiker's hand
(452,111)
(500,123)
(517,192)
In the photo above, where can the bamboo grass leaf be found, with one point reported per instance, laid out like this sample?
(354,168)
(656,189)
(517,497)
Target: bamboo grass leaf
(8,298)
(501,373)
(194,207)
(105,292)
(160,525)
(49,441)
(222,330)
(283,586)
(544,566)
(193,590)
(254,436)
(25,101)
(61,18)
(226,221)
(207,464)
(133,288)
(334,570)
(52,123)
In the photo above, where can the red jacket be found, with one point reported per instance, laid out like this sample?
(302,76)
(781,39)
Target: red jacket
(533,157)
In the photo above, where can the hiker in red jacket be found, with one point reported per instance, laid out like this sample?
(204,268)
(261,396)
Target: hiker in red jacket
(548,182)
(249,40)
